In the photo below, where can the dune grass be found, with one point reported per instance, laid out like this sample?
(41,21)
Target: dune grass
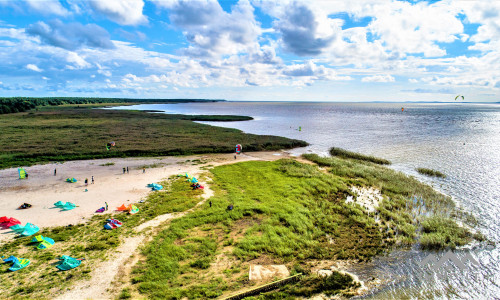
(69,133)
(430,172)
(339,152)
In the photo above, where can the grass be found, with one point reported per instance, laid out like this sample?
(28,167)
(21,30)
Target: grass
(285,212)
(408,204)
(357,156)
(67,132)
(430,172)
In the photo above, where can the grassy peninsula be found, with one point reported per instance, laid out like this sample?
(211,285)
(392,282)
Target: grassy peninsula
(430,172)
(285,212)
(59,133)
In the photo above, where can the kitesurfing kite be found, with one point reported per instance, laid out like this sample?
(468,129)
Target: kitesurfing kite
(458,96)
(238,149)
(109,145)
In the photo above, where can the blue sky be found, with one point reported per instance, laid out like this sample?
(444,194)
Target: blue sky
(252,50)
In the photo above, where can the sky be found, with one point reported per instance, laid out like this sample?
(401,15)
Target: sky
(252,49)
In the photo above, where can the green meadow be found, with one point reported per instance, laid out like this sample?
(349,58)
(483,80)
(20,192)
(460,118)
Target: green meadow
(70,132)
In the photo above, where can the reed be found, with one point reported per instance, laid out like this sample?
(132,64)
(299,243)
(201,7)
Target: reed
(430,172)
(357,156)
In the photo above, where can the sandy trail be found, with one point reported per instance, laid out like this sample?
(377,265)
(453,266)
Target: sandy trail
(42,189)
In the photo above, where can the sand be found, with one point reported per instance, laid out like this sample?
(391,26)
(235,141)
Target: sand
(111,185)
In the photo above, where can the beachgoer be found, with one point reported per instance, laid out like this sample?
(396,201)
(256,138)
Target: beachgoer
(143,170)
(55,171)
(127,170)
(124,170)
(235,156)
(106,205)
(86,181)
(92,179)
(210,202)
(26,175)
(230,207)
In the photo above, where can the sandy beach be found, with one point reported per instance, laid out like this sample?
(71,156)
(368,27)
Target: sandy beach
(111,185)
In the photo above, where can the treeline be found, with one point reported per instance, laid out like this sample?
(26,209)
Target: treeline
(21,104)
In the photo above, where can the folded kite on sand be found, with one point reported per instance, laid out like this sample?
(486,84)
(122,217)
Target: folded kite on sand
(155,186)
(45,242)
(18,263)
(26,230)
(100,210)
(122,208)
(65,206)
(9,222)
(112,224)
(68,263)
(71,180)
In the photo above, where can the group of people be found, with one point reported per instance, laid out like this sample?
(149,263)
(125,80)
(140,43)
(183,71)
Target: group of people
(87,181)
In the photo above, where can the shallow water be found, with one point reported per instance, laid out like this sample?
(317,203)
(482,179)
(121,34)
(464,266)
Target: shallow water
(460,140)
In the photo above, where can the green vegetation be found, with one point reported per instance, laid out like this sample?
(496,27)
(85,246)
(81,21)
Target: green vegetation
(358,156)
(22,104)
(407,203)
(285,212)
(430,172)
(70,133)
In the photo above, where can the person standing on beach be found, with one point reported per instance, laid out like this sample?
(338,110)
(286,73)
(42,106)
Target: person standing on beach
(143,170)
(55,172)
(92,179)
(86,181)
(123,170)
(106,205)
(127,170)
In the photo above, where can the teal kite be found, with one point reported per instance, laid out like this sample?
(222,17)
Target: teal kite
(18,263)
(68,263)
(45,242)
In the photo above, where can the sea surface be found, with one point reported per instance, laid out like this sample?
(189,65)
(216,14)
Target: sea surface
(461,140)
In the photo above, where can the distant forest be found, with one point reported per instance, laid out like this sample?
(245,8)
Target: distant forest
(21,104)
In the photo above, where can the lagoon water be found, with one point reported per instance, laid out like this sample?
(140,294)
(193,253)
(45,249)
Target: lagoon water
(459,139)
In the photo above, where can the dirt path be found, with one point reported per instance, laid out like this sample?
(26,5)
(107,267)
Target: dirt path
(107,279)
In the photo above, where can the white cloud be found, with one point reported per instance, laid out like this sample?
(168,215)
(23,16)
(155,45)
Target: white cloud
(33,67)
(123,12)
(48,7)
(378,78)
(210,30)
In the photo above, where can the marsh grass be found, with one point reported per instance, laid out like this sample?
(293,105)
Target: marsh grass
(70,133)
(408,204)
(339,152)
(282,214)
(430,172)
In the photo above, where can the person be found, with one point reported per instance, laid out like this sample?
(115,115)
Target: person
(143,170)
(127,170)
(230,207)
(106,205)
(86,181)
(124,170)
(26,175)
(55,171)
(92,179)
(210,202)
(235,156)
